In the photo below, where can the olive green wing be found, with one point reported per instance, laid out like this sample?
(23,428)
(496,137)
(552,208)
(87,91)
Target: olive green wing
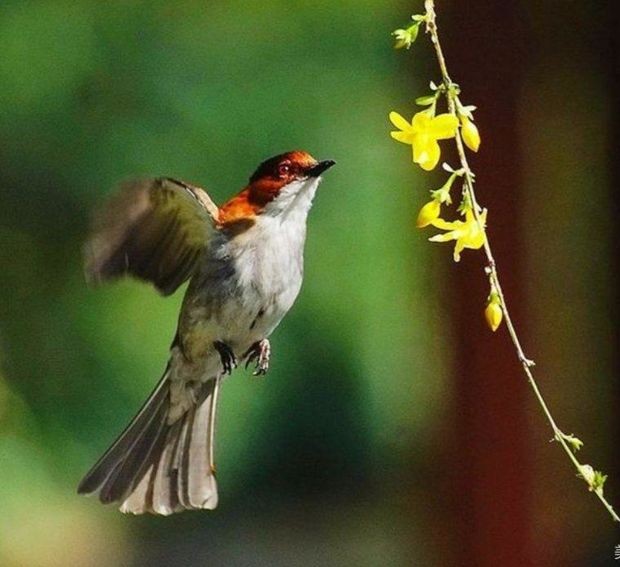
(153,229)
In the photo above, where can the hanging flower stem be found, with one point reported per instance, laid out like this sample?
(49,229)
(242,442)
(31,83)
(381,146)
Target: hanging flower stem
(569,443)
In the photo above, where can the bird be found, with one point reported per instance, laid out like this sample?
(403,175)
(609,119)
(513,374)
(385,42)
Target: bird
(244,263)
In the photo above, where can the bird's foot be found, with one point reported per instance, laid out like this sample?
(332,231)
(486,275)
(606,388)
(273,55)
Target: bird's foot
(227,356)
(260,352)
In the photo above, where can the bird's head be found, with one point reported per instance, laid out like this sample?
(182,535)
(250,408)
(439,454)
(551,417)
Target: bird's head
(281,184)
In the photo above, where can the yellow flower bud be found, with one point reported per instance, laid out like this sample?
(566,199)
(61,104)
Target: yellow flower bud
(493,314)
(470,134)
(428,213)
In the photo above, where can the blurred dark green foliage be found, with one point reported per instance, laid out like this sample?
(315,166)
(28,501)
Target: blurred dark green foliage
(96,92)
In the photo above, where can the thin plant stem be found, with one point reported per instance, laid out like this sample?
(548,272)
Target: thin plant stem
(491,269)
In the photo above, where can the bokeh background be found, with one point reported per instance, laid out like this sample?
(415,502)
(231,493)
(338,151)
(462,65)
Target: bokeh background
(393,427)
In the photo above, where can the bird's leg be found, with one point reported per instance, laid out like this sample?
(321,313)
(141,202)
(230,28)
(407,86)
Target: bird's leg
(227,356)
(259,351)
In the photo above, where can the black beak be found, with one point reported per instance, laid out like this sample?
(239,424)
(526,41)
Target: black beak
(319,168)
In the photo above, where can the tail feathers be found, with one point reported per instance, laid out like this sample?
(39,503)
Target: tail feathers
(160,467)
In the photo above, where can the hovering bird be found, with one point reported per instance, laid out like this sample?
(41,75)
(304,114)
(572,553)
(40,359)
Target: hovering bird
(244,263)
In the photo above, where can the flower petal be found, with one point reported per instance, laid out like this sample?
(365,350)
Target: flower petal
(428,213)
(443,126)
(432,155)
(447,225)
(444,237)
(421,158)
(419,143)
(457,250)
(421,121)
(404,137)
(474,241)
(400,122)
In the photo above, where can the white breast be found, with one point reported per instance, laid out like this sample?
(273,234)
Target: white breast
(269,265)
(245,287)
(268,262)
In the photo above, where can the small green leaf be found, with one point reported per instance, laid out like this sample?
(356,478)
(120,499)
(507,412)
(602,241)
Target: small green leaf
(405,37)
(465,204)
(599,481)
(573,442)
(425,100)
(442,195)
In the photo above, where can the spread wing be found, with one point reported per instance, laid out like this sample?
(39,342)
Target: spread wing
(152,229)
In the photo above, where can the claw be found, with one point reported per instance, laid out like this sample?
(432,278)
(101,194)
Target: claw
(260,352)
(227,356)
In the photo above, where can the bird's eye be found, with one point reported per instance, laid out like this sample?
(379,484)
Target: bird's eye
(284,169)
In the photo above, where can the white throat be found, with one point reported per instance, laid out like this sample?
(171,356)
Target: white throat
(294,200)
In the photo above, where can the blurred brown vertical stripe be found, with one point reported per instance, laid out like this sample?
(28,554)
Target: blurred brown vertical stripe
(613,52)
(484,45)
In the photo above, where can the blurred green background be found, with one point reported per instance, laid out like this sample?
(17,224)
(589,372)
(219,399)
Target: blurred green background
(339,455)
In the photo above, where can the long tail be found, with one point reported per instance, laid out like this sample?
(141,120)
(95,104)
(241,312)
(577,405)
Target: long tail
(160,467)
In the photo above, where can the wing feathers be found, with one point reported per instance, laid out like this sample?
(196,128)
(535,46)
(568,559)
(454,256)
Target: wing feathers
(152,229)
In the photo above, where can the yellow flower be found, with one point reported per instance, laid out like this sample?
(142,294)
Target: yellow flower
(493,312)
(428,213)
(470,133)
(422,134)
(467,233)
